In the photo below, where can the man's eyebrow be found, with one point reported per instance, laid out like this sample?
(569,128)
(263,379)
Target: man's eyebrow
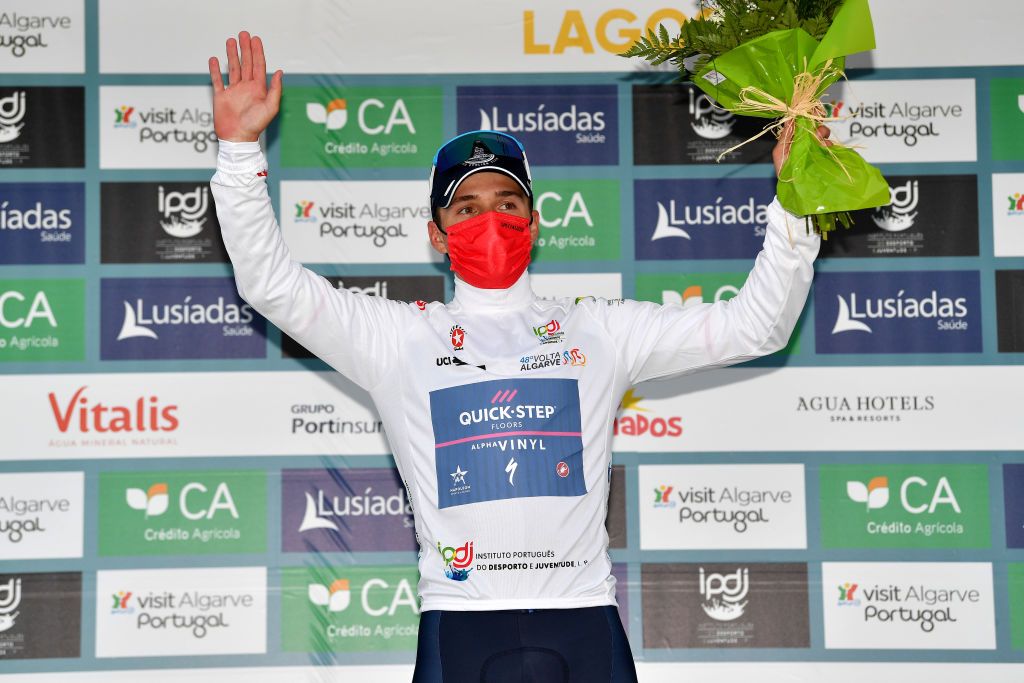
(497,193)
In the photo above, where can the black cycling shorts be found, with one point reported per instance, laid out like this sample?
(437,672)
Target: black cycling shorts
(584,645)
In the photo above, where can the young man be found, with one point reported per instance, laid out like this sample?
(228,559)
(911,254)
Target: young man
(498,406)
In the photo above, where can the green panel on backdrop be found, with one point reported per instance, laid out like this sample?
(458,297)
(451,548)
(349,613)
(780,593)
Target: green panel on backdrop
(42,320)
(904,506)
(360,127)
(695,288)
(349,609)
(579,220)
(1006,97)
(183,513)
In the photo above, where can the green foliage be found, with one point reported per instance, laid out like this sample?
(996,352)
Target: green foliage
(731,23)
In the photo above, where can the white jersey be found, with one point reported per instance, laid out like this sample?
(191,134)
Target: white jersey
(498,406)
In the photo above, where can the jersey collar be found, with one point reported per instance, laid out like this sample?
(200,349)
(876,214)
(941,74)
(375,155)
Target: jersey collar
(471,298)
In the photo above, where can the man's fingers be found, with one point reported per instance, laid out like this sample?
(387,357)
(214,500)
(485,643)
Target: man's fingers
(824,132)
(259,62)
(274,94)
(216,80)
(234,69)
(245,47)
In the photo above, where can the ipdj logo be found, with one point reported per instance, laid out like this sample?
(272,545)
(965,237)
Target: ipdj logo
(662,497)
(901,212)
(336,597)
(183,212)
(458,337)
(694,295)
(10,598)
(123,117)
(549,333)
(304,211)
(12,111)
(875,495)
(334,115)
(724,594)
(846,595)
(154,501)
(458,562)
(707,119)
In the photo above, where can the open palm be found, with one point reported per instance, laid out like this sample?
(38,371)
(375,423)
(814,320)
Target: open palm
(245,107)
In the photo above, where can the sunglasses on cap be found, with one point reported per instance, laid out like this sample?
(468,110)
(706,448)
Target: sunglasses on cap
(472,152)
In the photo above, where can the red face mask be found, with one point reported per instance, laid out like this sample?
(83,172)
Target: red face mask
(491,250)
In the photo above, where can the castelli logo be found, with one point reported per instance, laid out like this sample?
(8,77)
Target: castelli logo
(458,337)
(562,469)
(632,421)
(82,414)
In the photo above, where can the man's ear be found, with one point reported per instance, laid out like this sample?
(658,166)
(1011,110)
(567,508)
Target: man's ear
(534,226)
(438,240)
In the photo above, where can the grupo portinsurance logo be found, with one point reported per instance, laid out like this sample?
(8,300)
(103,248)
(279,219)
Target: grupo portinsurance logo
(679,124)
(721,506)
(407,288)
(701,219)
(908,605)
(906,121)
(157,126)
(40,615)
(714,605)
(904,506)
(898,312)
(559,125)
(579,220)
(1010,310)
(42,223)
(42,127)
(692,289)
(1013,502)
(42,320)
(182,513)
(41,515)
(166,612)
(166,222)
(42,38)
(360,126)
(369,221)
(349,609)
(1008,214)
(1006,100)
(345,510)
(149,318)
(928,216)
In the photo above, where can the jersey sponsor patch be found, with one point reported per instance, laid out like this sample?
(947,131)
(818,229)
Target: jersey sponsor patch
(518,438)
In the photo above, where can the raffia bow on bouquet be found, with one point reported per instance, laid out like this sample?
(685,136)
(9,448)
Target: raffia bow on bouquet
(775,68)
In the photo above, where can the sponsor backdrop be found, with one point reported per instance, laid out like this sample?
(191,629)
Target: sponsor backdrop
(183,487)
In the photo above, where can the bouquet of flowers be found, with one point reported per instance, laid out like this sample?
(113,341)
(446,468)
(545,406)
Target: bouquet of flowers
(775,59)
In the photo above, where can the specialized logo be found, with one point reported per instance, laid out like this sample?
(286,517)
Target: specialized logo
(10,599)
(336,597)
(12,112)
(183,212)
(725,594)
(458,562)
(899,215)
(549,333)
(458,337)
(633,420)
(512,432)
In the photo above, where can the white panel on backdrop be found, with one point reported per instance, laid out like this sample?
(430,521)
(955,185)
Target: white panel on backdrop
(42,515)
(150,126)
(210,611)
(42,37)
(557,285)
(119,415)
(371,221)
(1008,213)
(907,120)
(344,36)
(826,409)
